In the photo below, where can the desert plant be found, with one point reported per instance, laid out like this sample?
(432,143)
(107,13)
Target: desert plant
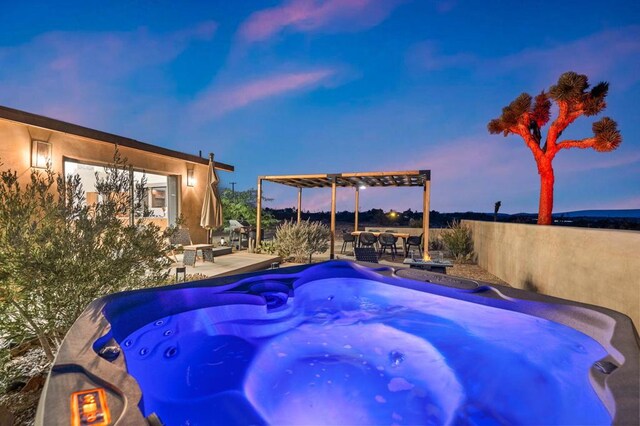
(57,253)
(526,117)
(457,239)
(436,243)
(299,241)
(267,247)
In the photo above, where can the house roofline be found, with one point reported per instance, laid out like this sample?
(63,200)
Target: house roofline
(85,132)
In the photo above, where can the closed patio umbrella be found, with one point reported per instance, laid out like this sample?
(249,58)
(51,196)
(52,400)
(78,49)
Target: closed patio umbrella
(211,216)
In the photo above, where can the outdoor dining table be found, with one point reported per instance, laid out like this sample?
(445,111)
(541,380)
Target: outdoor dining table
(403,235)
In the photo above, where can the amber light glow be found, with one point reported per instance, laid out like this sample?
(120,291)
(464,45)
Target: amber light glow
(191,180)
(40,154)
(89,408)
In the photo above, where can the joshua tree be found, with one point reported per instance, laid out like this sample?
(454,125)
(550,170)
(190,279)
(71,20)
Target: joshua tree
(526,117)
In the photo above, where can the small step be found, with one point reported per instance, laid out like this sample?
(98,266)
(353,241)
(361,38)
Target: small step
(221,251)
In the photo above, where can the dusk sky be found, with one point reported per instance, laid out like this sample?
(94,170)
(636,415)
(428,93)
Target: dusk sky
(311,86)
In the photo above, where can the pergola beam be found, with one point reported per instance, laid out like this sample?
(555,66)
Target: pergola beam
(371,179)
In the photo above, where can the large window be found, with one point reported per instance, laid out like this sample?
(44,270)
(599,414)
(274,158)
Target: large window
(161,200)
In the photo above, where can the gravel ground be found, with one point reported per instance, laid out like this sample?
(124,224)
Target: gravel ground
(22,405)
(474,272)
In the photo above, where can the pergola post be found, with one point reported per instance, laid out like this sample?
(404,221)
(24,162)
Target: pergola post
(259,212)
(425,219)
(132,200)
(333,218)
(357,207)
(299,204)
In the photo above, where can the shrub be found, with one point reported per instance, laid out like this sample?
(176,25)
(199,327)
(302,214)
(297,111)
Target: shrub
(436,243)
(267,247)
(299,241)
(457,239)
(57,253)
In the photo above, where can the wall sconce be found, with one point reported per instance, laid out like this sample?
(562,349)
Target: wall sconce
(40,154)
(191,180)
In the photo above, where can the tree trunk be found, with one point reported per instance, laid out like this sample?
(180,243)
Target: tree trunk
(545,208)
(42,338)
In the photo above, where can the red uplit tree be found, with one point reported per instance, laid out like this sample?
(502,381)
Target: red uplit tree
(526,117)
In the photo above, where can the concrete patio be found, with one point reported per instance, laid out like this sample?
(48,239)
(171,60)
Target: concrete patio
(237,262)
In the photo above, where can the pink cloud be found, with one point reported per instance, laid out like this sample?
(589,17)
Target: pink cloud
(618,158)
(85,74)
(607,55)
(315,15)
(215,102)
(598,55)
(625,203)
(470,173)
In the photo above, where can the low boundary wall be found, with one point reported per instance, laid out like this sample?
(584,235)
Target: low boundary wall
(595,266)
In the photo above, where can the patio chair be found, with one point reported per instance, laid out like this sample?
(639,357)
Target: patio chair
(347,238)
(388,241)
(414,241)
(366,254)
(180,238)
(367,239)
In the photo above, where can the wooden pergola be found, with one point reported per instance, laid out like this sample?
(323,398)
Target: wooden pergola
(355,180)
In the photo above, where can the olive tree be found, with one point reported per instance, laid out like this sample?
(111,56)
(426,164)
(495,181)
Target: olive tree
(58,253)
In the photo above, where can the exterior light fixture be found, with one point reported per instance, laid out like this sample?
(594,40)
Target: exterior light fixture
(181,274)
(90,407)
(362,187)
(40,154)
(191,180)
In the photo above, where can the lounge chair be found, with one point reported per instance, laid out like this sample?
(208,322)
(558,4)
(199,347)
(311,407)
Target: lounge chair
(366,254)
(180,238)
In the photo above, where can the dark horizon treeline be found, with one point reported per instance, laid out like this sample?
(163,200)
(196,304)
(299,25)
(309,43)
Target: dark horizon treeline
(442,220)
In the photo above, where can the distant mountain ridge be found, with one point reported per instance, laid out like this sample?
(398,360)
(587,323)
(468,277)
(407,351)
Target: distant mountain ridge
(622,213)
(618,214)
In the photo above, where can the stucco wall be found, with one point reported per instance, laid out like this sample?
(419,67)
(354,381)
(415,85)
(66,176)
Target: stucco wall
(15,153)
(595,266)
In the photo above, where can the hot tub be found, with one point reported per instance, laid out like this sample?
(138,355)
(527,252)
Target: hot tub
(344,343)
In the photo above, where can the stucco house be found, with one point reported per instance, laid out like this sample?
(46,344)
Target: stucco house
(175,179)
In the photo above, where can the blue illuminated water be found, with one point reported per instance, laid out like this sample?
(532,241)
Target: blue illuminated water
(356,351)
